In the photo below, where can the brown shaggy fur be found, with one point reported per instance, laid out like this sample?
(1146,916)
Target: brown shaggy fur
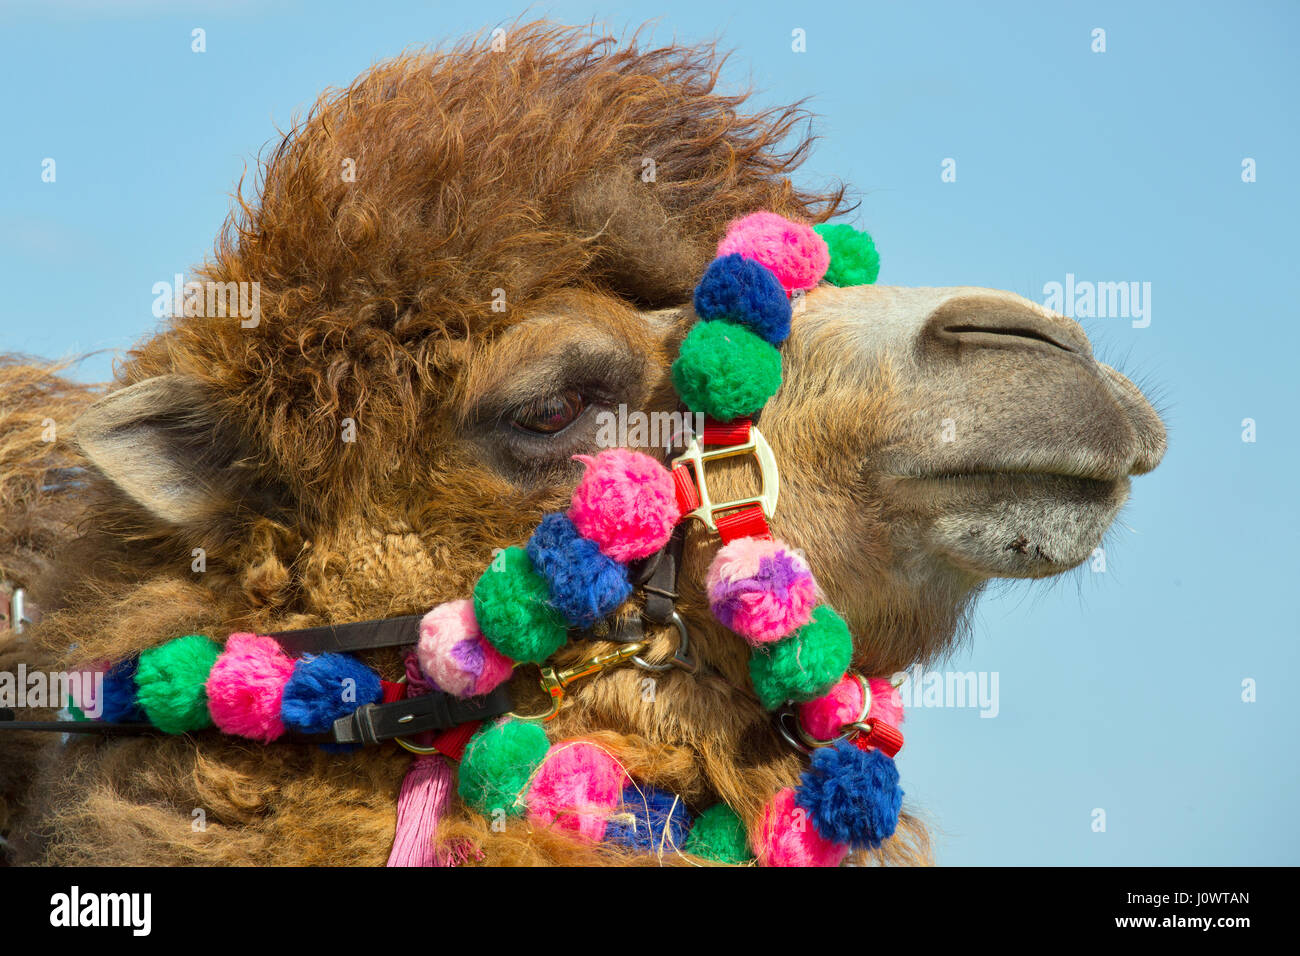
(40,507)
(478,174)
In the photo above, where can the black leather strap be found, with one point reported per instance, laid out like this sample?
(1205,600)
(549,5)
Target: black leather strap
(98,727)
(349,638)
(375,723)
(661,586)
(370,724)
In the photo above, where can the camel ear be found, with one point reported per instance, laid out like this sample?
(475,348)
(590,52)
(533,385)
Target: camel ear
(162,443)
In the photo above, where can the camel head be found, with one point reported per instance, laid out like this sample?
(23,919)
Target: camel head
(468,265)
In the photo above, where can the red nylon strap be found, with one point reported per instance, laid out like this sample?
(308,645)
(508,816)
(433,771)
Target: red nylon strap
(884,737)
(688,497)
(734,432)
(747,522)
(453,742)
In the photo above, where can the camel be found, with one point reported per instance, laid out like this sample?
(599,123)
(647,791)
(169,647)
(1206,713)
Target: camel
(461,262)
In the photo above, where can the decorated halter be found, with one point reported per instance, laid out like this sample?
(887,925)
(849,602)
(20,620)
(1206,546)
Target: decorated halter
(574,573)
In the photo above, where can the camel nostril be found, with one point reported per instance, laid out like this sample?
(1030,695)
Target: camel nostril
(976,334)
(993,322)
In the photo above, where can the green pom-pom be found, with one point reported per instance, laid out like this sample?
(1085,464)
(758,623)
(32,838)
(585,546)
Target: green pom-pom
(726,371)
(719,835)
(512,605)
(854,259)
(169,683)
(805,664)
(497,764)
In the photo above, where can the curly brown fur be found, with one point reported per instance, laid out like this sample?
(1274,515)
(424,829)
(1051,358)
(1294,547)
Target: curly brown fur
(40,509)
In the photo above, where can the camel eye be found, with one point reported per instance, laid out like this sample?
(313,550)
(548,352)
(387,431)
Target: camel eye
(547,416)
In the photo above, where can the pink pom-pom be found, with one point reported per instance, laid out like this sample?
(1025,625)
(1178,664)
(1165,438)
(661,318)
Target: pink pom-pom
(576,788)
(625,503)
(886,702)
(825,717)
(455,655)
(246,685)
(786,837)
(794,252)
(761,589)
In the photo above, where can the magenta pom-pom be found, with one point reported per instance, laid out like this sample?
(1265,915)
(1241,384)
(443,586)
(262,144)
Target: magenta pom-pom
(454,654)
(825,717)
(786,836)
(576,788)
(246,685)
(797,256)
(625,503)
(761,589)
(886,702)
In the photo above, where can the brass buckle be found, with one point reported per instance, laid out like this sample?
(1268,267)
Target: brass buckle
(555,683)
(696,455)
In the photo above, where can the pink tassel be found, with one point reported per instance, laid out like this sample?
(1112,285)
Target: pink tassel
(420,804)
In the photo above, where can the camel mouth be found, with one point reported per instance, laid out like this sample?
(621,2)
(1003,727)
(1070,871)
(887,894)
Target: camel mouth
(1018,524)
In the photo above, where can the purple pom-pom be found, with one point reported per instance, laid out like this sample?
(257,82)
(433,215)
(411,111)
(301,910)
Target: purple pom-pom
(851,796)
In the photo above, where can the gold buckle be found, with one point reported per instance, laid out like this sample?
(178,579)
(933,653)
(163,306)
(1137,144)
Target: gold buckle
(696,455)
(554,682)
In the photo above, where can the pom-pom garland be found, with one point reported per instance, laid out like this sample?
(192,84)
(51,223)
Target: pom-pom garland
(497,764)
(804,665)
(745,292)
(577,787)
(718,834)
(119,697)
(513,607)
(854,260)
(786,837)
(325,687)
(169,683)
(454,654)
(573,573)
(852,796)
(246,686)
(825,717)
(797,256)
(585,584)
(726,371)
(625,503)
(760,589)
(650,820)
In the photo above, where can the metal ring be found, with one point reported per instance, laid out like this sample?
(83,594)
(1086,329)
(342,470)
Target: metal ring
(848,729)
(785,731)
(681,657)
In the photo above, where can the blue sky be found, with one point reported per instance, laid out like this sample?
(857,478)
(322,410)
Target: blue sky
(1119,691)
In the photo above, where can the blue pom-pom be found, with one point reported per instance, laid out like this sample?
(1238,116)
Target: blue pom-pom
(851,796)
(649,820)
(746,292)
(325,687)
(585,584)
(119,701)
